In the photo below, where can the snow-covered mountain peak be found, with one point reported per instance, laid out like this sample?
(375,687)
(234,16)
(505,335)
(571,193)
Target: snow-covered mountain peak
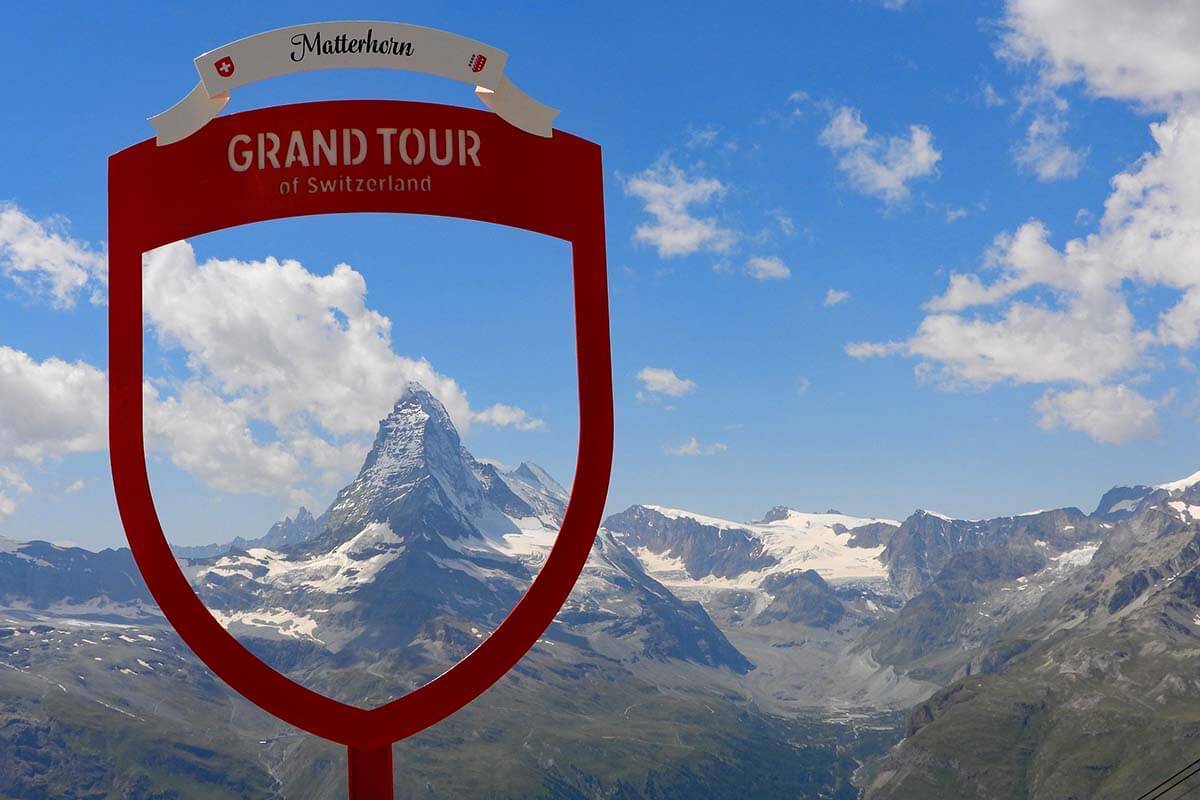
(680,547)
(421,482)
(926,512)
(1122,502)
(414,393)
(417,449)
(800,521)
(416,421)
(1181,485)
(678,513)
(778,519)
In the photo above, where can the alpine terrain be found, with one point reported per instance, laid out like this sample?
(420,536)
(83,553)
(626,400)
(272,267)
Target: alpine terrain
(831,655)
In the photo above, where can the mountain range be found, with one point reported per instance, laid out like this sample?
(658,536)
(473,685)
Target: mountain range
(1041,655)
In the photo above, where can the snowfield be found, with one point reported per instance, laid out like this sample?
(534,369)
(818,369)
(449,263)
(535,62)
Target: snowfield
(1181,485)
(799,541)
(351,564)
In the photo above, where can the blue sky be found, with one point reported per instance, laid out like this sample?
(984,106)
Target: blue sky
(788,196)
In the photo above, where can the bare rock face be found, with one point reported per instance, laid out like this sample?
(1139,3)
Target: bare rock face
(42,575)
(704,549)
(803,598)
(927,541)
(1068,690)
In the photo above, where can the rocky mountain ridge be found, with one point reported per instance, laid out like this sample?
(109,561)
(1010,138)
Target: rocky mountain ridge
(731,634)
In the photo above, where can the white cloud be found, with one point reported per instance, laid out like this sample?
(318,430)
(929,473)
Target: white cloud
(332,461)
(211,438)
(875,166)
(955,214)
(659,380)
(315,350)
(1092,339)
(1045,153)
(10,481)
(702,137)
(51,407)
(786,225)
(1111,414)
(1145,51)
(893,5)
(60,408)
(503,416)
(991,98)
(669,195)
(875,349)
(835,297)
(77,486)
(767,268)
(692,448)
(1061,316)
(43,258)
(11,478)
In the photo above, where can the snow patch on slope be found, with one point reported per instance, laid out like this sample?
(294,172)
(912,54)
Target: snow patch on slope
(282,621)
(1185,510)
(353,563)
(1072,559)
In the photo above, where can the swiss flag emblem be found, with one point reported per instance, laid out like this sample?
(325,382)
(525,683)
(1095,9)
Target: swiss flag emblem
(477,61)
(225,67)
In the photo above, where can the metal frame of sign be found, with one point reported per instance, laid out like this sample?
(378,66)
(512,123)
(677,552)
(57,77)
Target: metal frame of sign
(214,180)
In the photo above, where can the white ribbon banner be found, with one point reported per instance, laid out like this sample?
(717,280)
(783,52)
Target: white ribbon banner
(333,45)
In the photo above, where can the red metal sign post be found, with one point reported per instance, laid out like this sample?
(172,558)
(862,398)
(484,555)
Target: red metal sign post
(358,156)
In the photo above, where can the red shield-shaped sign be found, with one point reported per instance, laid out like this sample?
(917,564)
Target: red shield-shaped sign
(225,67)
(234,171)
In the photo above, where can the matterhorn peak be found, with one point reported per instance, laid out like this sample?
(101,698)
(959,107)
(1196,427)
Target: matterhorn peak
(415,421)
(415,395)
(414,390)
(417,443)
